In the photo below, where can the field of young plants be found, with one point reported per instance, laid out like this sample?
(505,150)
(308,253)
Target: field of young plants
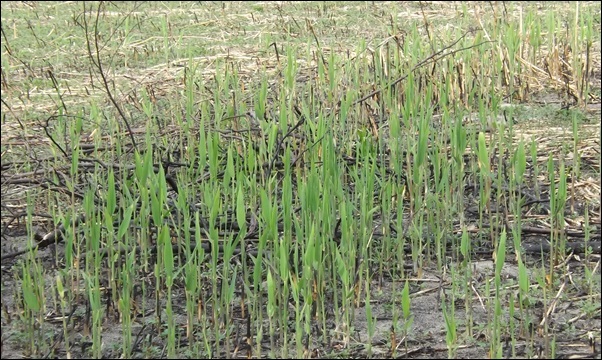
(307,180)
